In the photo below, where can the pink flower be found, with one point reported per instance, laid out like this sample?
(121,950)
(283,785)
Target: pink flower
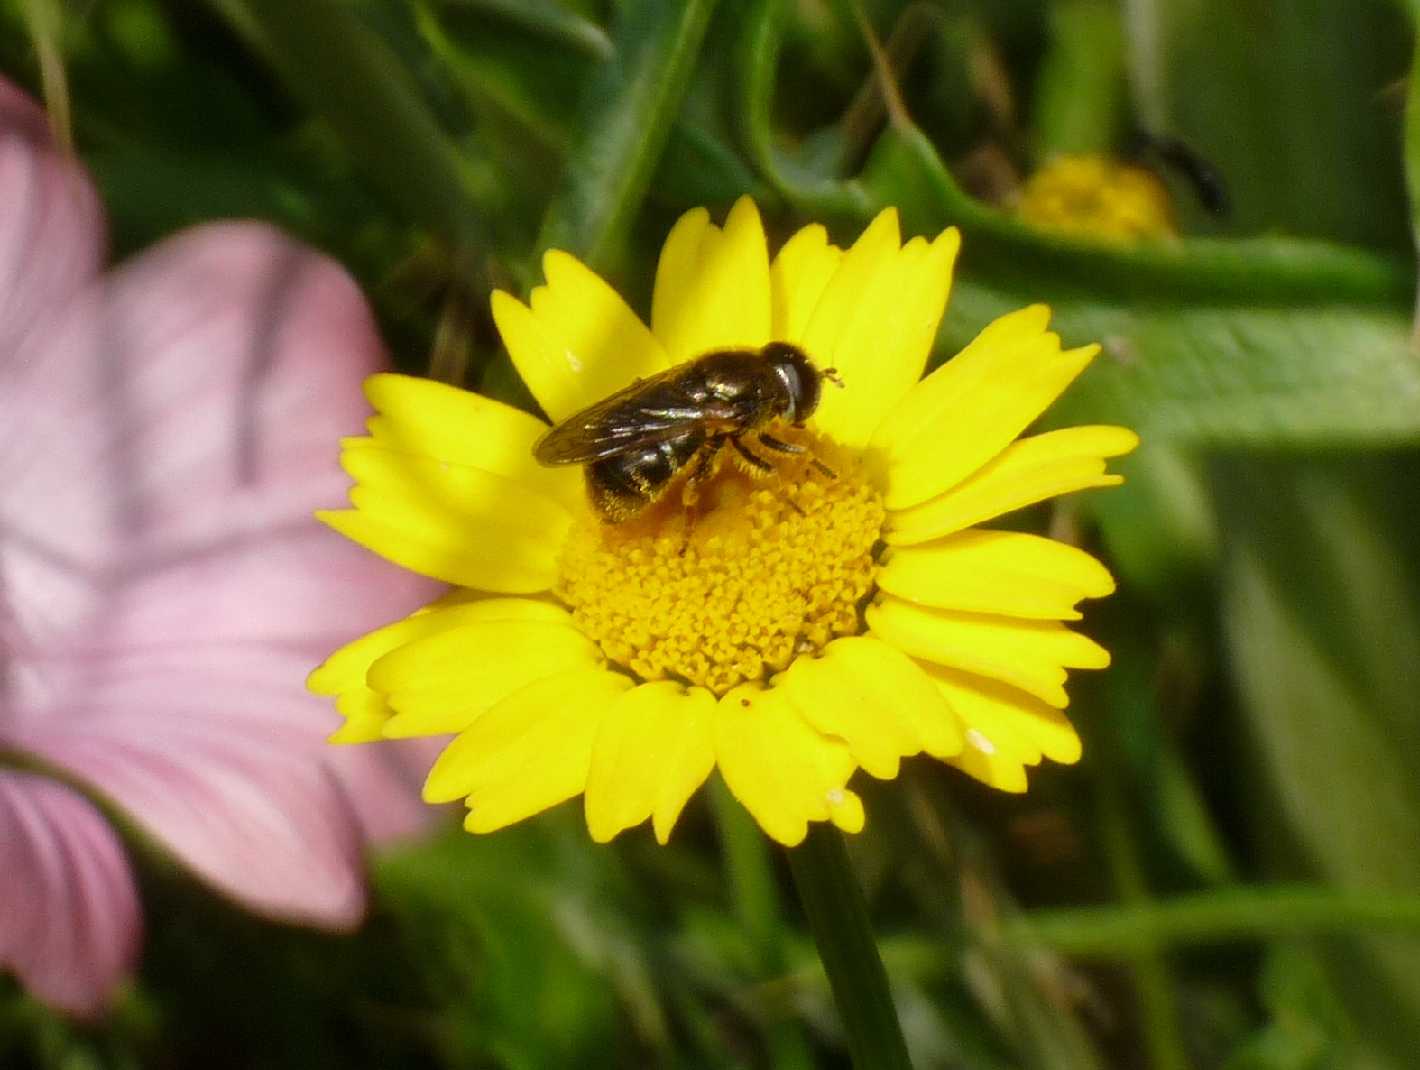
(165,433)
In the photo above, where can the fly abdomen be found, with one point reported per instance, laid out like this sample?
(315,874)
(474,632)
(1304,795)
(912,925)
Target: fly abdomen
(624,484)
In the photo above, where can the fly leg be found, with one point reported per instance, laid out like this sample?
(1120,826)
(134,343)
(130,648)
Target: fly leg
(769,442)
(702,467)
(772,443)
(750,457)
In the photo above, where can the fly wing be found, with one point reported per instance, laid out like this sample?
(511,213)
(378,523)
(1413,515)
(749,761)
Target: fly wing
(646,413)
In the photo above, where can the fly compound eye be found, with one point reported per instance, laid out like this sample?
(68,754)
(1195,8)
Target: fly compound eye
(802,381)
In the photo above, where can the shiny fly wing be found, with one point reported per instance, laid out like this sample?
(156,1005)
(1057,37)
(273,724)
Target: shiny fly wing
(646,413)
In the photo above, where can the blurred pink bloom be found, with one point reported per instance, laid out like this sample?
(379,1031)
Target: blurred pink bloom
(165,433)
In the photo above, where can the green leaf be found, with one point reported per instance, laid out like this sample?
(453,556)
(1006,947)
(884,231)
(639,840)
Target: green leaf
(808,188)
(905,170)
(1257,342)
(1295,104)
(546,18)
(1412,156)
(1325,375)
(343,72)
(511,65)
(1306,1021)
(1080,91)
(1320,591)
(629,107)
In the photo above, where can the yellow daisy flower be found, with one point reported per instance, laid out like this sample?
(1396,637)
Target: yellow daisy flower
(841,611)
(1094,197)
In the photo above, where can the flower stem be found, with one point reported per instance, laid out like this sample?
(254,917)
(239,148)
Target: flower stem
(1242,913)
(838,916)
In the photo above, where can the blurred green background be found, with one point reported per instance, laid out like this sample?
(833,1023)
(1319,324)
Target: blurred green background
(1231,876)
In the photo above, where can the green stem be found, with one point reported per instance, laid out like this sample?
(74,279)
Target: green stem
(750,869)
(756,903)
(1231,914)
(838,917)
(1157,1004)
(45,19)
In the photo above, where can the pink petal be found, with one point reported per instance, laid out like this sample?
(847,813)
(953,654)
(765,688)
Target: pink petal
(245,802)
(51,243)
(51,227)
(167,440)
(195,400)
(241,354)
(243,686)
(69,920)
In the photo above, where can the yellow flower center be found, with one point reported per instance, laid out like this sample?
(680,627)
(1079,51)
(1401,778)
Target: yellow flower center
(768,566)
(1092,197)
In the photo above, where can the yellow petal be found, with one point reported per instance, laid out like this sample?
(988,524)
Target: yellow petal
(462,525)
(971,408)
(365,716)
(846,811)
(875,323)
(780,769)
(344,673)
(1030,654)
(529,752)
(406,480)
(430,549)
(712,286)
(443,682)
(345,669)
(996,572)
(875,699)
(1029,471)
(1006,718)
(432,419)
(797,279)
(653,750)
(993,769)
(577,341)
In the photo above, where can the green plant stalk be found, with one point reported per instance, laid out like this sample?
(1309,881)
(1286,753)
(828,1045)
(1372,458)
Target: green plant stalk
(838,918)
(1157,1005)
(1227,915)
(1412,161)
(45,20)
(749,866)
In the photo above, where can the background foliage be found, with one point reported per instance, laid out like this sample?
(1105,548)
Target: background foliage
(1231,876)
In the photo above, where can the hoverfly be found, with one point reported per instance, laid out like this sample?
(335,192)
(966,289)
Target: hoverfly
(637,441)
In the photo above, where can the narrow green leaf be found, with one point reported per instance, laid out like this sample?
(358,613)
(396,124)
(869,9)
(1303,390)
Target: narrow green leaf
(1295,104)
(45,21)
(547,18)
(809,189)
(629,107)
(906,170)
(1080,90)
(1228,915)
(1412,162)
(1319,604)
(507,66)
(343,72)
